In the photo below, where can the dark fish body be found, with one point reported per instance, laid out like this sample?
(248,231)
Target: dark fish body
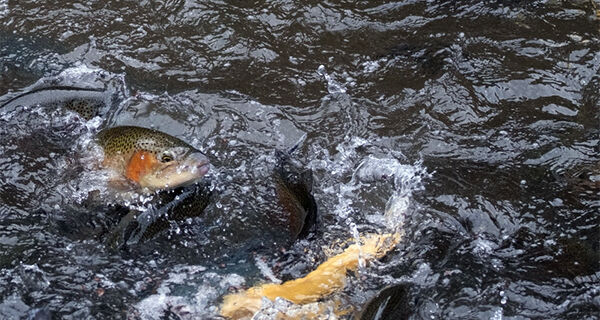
(173,205)
(289,212)
(87,102)
(391,303)
(294,192)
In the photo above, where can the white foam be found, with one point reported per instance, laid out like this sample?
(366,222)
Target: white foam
(281,308)
(265,270)
(80,69)
(370,66)
(4,10)
(484,246)
(406,178)
(332,85)
(200,304)
(498,314)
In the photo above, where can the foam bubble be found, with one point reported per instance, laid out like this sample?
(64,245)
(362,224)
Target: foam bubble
(332,85)
(173,296)
(4,10)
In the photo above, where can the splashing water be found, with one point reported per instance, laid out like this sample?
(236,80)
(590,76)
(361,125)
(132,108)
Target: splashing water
(188,292)
(499,98)
(4,10)
(332,85)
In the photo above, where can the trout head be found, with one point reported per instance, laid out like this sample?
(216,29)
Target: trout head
(167,169)
(152,159)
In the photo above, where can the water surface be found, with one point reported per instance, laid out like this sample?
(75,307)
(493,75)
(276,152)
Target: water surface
(485,117)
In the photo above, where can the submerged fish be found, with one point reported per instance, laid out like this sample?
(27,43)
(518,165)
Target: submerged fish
(151,159)
(294,193)
(173,205)
(87,102)
(391,303)
(289,213)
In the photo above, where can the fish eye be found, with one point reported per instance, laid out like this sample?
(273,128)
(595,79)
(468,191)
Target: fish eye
(166,157)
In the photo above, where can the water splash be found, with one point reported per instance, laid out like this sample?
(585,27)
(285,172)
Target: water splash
(332,85)
(356,236)
(4,10)
(189,292)
(265,270)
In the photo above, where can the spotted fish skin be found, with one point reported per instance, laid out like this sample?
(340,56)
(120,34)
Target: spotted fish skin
(87,102)
(150,158)
(124,140)
(87,108)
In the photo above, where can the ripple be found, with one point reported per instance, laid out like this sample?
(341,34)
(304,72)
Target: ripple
(470,127)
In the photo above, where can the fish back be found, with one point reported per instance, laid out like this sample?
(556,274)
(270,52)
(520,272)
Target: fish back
(87,102)
(294,192)
(127,139)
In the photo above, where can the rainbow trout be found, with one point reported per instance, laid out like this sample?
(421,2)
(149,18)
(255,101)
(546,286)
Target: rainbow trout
(151,159)
(146,158)
(287,193)
(87,102)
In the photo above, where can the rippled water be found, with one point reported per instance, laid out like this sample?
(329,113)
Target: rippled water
(481,118)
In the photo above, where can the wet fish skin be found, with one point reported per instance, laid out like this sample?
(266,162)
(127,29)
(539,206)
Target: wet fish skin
(295,210)
(173,205)
(294,192)
(87,102)
(391,303)
(150,158)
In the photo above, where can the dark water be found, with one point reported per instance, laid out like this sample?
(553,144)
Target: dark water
(484,116)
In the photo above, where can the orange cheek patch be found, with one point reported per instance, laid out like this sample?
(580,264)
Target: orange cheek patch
(140,163)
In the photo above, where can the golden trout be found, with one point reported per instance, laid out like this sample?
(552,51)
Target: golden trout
(151,159)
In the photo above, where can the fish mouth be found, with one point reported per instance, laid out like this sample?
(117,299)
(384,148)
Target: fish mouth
(202,169)
(198,164)
(190,170)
